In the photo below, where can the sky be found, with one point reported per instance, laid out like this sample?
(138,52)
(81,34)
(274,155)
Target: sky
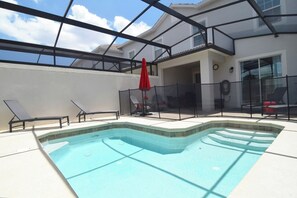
(110,14)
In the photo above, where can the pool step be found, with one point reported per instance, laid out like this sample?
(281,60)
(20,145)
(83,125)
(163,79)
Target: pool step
(49,148)
(250,133)
(246,137)
(244,144)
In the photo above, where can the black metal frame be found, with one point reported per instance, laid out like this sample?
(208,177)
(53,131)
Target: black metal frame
(12,121)
(55,51)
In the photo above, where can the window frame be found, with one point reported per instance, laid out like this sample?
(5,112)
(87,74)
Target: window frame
(203,22)
(259,75)
(133,50)
(155,48)
(260,23)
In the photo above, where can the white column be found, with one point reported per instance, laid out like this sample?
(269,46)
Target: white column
(207,91)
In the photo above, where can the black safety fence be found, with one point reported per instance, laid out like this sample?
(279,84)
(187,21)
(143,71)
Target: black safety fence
(250,98)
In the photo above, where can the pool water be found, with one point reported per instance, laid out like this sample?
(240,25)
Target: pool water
(129,163)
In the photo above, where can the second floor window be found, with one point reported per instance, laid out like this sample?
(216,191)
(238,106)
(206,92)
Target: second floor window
(157,50)
(198,39)
(131,54)
(270,7)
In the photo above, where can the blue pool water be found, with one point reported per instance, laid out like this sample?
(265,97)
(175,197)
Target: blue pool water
(129,163)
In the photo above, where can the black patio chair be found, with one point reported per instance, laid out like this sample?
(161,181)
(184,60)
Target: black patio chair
(274,101)
(275,98)
(84,111)
(22,116)
(139,107)
(158,103)
(277,95)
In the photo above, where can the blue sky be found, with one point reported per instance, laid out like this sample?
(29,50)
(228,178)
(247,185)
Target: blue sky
(111,14)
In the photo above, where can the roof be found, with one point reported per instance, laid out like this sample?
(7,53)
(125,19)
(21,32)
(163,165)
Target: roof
(113,48)
(199,5)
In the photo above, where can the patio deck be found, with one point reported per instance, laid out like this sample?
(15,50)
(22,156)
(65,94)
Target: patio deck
(26,171)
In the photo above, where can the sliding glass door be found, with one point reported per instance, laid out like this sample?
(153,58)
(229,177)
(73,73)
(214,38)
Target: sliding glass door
(257,70)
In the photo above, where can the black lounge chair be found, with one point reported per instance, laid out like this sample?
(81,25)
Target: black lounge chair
(274,101)
(84,112)
(23,117)
(158,103)
(277,95)
(139,106)
(275,98)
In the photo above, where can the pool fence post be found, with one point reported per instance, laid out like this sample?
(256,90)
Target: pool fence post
(129,101)
(221,98)
(288,96)
(177,93)
(195,104)
(120,101)
(250,98)
(157,100)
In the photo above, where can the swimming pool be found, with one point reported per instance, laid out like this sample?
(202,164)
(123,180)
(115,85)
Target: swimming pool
(124,162)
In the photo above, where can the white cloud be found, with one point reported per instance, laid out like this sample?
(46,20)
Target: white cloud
(81,13)
(82,39)
(27,29)
(41,31)
(11,1)
(134,29)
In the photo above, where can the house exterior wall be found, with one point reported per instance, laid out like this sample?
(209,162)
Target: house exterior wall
(237,11)
(183,30)
(260,47)
(244,48)
(45,91)
(254,48)
(172,74)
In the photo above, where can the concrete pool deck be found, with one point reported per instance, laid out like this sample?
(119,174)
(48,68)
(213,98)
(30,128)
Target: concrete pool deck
(26,172)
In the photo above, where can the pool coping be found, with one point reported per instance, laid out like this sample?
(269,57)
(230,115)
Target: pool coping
(177,132)
(257,181)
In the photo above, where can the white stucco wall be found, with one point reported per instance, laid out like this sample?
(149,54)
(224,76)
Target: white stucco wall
(178,75)
(260,47)
(254,48)
(246,49)
(45,91)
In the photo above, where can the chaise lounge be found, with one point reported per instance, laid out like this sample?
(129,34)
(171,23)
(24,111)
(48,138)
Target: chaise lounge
(274,101)
(84,112)
(139,107)
(23,117)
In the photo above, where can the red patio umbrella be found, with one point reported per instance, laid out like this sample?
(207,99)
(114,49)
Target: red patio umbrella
(144,83)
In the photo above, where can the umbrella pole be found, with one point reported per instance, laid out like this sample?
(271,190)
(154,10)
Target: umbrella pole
(142,103)
(145,98)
